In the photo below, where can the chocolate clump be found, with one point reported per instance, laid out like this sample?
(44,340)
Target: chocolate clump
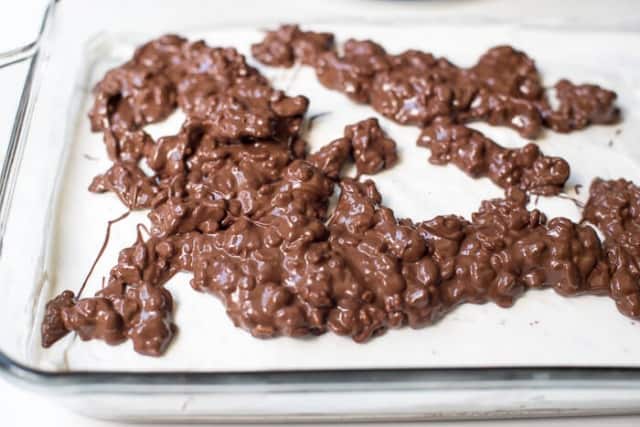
(331,157)
(353,72)
(220,93)
(372,149)
(53,326)
(288,44)
(363,142)
(133,305)
(503,88)
(131,96)
(580,106)
(614,207)
(130,183)
(526,168)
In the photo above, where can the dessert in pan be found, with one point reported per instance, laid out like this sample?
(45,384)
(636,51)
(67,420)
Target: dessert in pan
(236,199)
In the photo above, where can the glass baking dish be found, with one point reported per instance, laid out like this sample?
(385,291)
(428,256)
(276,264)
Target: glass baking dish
(45,128)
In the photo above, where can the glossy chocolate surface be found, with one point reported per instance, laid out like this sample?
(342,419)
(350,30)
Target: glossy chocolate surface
(235,199)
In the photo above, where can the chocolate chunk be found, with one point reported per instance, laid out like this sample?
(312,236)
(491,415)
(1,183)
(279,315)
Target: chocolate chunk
(288,44)
(186,215)
(243,173)
(580,106)
(507,71)
(365,142)
(130,97)
(526,168)
(353,72)
(127,146)
(224,66)
(614,207)
(507,82)
(139,312)
(95,318)
(331,158)
(53,327)
(418,88)
(372,149)
(164,54)
(255,111)
(133,187)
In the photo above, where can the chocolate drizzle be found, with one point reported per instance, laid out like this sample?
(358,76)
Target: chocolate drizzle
(234,199)
(102,249)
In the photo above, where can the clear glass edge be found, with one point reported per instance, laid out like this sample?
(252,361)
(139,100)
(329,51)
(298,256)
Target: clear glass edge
(307,380)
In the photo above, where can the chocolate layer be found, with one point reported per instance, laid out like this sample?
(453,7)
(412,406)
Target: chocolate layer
(235,201)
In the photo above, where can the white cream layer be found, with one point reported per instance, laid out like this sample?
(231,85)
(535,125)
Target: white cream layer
(542,329)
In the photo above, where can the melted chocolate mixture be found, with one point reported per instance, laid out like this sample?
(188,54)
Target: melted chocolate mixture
(364,142)
(614,207)
(503,88)
(526,168)
(235,200)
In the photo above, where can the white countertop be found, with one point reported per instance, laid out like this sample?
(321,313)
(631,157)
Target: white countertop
(18,26)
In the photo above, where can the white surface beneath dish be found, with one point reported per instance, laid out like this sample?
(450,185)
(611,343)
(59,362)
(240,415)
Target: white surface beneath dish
(542,329)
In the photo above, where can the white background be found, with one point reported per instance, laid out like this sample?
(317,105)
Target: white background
(19,23)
